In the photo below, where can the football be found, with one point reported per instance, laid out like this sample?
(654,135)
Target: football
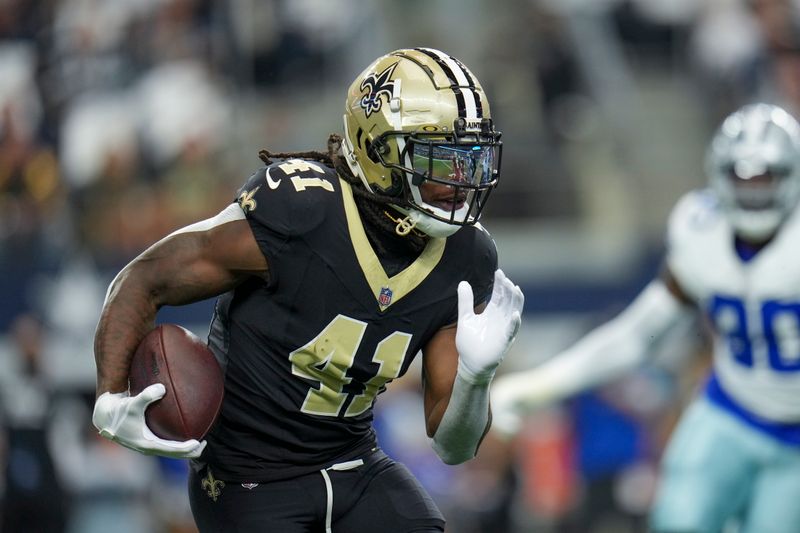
(175,357)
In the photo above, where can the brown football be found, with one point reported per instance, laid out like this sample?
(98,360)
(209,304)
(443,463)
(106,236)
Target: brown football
(178,359)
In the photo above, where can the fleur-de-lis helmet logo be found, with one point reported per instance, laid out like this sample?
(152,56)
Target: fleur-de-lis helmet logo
(377,85)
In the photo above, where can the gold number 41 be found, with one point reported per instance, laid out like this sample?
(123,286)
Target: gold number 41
(328,357)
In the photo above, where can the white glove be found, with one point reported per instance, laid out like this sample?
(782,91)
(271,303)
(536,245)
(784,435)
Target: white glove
(120,417)
(483,340)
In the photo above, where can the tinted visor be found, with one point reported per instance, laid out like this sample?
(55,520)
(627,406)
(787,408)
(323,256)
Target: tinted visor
(461,165)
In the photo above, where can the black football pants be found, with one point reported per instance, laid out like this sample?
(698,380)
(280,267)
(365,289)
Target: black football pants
(372,494)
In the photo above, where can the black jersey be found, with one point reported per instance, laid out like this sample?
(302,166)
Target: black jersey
(306,353)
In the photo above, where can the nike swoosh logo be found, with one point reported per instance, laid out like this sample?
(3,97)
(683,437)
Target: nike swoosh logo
(273,184)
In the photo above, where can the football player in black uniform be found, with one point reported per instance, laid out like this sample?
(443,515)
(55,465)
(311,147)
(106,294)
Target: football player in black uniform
(333,271)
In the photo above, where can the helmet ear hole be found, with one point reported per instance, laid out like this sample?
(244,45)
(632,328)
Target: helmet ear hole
(397,183)
(372,152)
(376,149)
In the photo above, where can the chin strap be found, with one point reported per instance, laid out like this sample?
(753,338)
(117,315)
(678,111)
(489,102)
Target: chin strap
(404,225)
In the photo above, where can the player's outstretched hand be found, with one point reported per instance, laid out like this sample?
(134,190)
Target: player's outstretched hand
(518,394)
(120,417)
(483,339)
(508,392)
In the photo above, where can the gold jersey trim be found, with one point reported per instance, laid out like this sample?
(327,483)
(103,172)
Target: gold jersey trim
(401,283)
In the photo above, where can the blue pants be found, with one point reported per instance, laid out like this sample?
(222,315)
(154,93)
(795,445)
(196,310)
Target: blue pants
(717,468)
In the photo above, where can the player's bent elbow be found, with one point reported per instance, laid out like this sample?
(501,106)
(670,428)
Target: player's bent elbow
(450,456)
(455,459)
(430,428)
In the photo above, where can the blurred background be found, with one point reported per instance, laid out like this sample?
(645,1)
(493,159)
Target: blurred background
(121,121)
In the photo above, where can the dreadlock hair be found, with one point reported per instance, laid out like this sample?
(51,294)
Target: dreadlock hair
(374,207)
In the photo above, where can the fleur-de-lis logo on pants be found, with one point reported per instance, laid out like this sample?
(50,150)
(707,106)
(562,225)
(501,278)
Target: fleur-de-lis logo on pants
(213,486)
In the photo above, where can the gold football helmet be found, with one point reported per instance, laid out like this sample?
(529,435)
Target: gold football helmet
(419,116)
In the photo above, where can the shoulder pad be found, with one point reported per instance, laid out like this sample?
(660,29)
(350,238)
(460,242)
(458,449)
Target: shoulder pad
(697,234)
(696,211)
(290,197)
(485,239)
(473,246)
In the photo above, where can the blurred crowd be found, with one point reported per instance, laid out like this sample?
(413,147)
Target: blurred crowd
(122,121)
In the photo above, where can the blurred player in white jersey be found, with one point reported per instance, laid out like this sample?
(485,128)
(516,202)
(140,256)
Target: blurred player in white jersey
(733,256)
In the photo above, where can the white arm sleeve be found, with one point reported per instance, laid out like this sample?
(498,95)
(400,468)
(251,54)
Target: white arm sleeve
(602,355)
(230,214)
(464,422)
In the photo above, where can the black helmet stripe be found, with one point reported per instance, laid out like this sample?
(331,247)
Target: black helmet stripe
(468,100)
(460,100)
(478,104)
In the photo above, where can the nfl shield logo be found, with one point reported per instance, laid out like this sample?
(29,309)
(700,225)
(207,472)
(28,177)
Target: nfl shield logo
(385,297)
